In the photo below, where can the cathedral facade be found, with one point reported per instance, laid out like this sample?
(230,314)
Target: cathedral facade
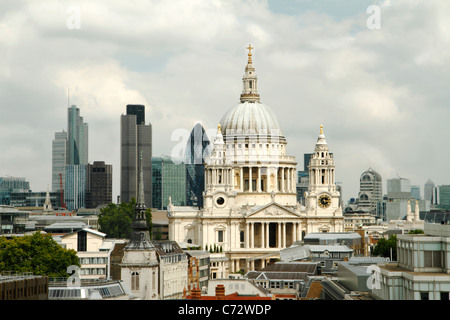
(250,209)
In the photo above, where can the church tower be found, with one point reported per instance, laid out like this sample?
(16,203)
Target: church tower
(139,267)
(322,198)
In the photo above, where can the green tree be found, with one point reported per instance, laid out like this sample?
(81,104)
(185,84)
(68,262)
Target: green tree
(416,231)
(115,220)
(39,254)
(385,246)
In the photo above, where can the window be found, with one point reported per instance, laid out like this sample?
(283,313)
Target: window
(444,296)
(432,259)
(220,236)
(82,241)
(135,281)
(424,296)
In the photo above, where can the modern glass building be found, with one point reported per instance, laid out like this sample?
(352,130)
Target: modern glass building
(197,151)
(444,197)
(169,180)
(136,138)
(9,185)
(77,138)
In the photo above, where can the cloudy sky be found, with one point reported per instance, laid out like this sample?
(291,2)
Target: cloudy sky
(379,86)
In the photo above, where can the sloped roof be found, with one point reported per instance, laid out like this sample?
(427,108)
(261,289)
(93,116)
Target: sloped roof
(306,267)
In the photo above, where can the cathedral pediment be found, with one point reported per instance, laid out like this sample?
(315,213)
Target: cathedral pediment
(272,210)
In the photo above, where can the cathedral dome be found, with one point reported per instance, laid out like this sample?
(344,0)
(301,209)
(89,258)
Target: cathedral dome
(250,118)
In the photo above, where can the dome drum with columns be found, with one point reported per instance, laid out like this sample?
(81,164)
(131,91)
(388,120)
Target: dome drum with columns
(250,199)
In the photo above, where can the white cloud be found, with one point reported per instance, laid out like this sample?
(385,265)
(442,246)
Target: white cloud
(381,94)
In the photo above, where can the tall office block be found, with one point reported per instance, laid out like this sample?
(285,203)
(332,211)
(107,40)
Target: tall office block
(444,197)
(136,140)
(428,191)
(197,151)
(370,190)
(98,184)
(169,180)
(59,158)
(77,137)
(75,187)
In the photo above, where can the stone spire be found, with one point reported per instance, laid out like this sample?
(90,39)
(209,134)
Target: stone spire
(250,81)
(47,203)
(140,236)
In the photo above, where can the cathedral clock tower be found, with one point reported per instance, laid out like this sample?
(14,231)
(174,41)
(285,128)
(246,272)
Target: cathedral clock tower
(322,198)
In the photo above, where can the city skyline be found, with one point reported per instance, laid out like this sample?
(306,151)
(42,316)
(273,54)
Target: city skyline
(379,93)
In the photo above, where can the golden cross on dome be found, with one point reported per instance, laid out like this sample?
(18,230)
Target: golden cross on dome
(321,129)
(250,53)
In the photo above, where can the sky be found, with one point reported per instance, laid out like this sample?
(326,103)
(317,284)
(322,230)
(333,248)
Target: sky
(374,73)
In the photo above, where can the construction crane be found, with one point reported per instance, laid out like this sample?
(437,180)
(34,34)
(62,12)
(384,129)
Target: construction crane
(62,191)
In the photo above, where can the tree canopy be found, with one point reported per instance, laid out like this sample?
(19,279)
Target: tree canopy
(115,220)
(39,254)
(384,246)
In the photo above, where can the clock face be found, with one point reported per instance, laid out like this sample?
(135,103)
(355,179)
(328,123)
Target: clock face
(324,201)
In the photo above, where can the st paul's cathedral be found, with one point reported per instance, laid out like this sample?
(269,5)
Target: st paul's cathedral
(250,207)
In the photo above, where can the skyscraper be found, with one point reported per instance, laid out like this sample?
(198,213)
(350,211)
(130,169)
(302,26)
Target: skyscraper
(59,158)
(76,160)
(136,138)
(77,138)
(197,151)
(98,184)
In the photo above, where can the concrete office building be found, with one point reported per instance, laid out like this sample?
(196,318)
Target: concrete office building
(422,271)
(136,140)
(370,190)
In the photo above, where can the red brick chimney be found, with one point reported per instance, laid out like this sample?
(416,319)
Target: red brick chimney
(220,292)
(196,294)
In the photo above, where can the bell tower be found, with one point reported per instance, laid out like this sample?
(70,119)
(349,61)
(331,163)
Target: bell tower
(322,196)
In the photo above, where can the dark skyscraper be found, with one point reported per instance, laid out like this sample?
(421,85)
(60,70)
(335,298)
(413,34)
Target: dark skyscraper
(98,184)
(197,150)
(136,137)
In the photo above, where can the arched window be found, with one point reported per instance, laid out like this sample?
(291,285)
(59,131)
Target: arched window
(135,281)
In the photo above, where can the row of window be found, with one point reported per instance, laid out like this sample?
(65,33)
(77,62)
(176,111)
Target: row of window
(92,271)
(94,260)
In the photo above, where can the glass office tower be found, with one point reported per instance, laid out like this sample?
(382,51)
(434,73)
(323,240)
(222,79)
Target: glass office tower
(198,150)
(169,180)
(77,137)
